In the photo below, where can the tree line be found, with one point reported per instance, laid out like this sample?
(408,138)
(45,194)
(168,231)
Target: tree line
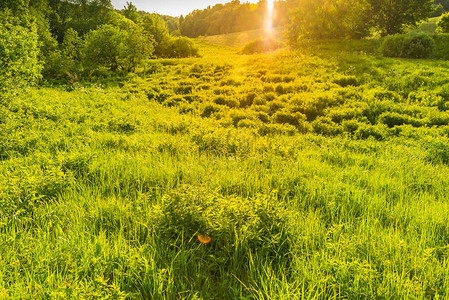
(230,17)
(52,38)
(324,19)
(319,19)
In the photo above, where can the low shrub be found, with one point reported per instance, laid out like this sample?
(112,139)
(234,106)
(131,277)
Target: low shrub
(365,131)
(210,109)
(345,81)
(260,46)
(181,47)
(412,45)
(438,152)
(247,100)
(229,102)
(325,126)
(392,119)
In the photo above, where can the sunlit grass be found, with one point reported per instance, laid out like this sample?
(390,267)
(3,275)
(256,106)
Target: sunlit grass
(306,177)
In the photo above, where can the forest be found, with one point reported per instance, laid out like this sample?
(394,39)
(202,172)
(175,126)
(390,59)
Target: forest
(145,156)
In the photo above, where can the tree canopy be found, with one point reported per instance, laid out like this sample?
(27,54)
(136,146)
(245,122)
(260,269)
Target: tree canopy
(333,19)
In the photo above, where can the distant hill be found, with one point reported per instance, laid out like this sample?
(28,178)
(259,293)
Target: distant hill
(240,39)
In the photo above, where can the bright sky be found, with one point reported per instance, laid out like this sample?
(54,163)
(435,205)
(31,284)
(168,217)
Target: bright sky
(172,7)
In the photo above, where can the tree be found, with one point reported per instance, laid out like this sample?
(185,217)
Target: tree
(117,49)
(154,25)
(392,17)
(443,23)
(181,47)
(130,12)
(329,19)
(19,64)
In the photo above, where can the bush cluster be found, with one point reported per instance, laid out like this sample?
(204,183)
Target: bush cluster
(413,45)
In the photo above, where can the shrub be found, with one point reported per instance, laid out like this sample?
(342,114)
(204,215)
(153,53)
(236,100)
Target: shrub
(438,152)
(247,100)
(173,101)
(295,119)
(238,228)
(116,49)
(325,126)
(438,11)
(345,81)
(412,45)
(418,45)
(210,109)
(365,131)
(392,119)
(221,100)
(181,47)
(443,23)
(260,46)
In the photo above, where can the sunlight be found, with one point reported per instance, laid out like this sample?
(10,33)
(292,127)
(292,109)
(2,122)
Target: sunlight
(270,15)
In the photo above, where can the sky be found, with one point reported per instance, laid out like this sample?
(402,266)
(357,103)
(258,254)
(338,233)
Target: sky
(171,7)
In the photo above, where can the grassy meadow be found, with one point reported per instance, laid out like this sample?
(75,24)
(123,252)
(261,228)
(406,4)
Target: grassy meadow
(318,173)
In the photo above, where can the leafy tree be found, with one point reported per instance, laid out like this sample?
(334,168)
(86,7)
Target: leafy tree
(230,17)
(117,49)
(391,17)
(443,23)
(130,12)
(19,51)
(328,19)
(181,47)
(71,45)
(438,10)
(444,3)
(154,25)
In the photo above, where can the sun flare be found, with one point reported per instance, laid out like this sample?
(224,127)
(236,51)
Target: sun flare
(270,15)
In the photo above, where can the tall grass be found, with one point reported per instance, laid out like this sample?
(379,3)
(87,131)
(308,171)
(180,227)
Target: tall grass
(104,189)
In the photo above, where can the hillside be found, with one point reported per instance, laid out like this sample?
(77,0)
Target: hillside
(240,39)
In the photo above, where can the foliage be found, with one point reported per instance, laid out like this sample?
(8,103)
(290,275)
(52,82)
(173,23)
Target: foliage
(391,17)
(114,48)
(180,47)
(443,23)
(327,19)
(412,45)
(260,46)
(438,11)
(155,26)
(19,65)
(230,17)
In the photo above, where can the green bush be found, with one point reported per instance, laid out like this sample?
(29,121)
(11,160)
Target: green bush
(392,119)
(325,126)
(260,46)
(438,152)
(412,45)
(117,49)
(180,47)
(210,109)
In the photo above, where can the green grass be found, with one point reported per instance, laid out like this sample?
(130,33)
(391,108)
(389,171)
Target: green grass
(320,173)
